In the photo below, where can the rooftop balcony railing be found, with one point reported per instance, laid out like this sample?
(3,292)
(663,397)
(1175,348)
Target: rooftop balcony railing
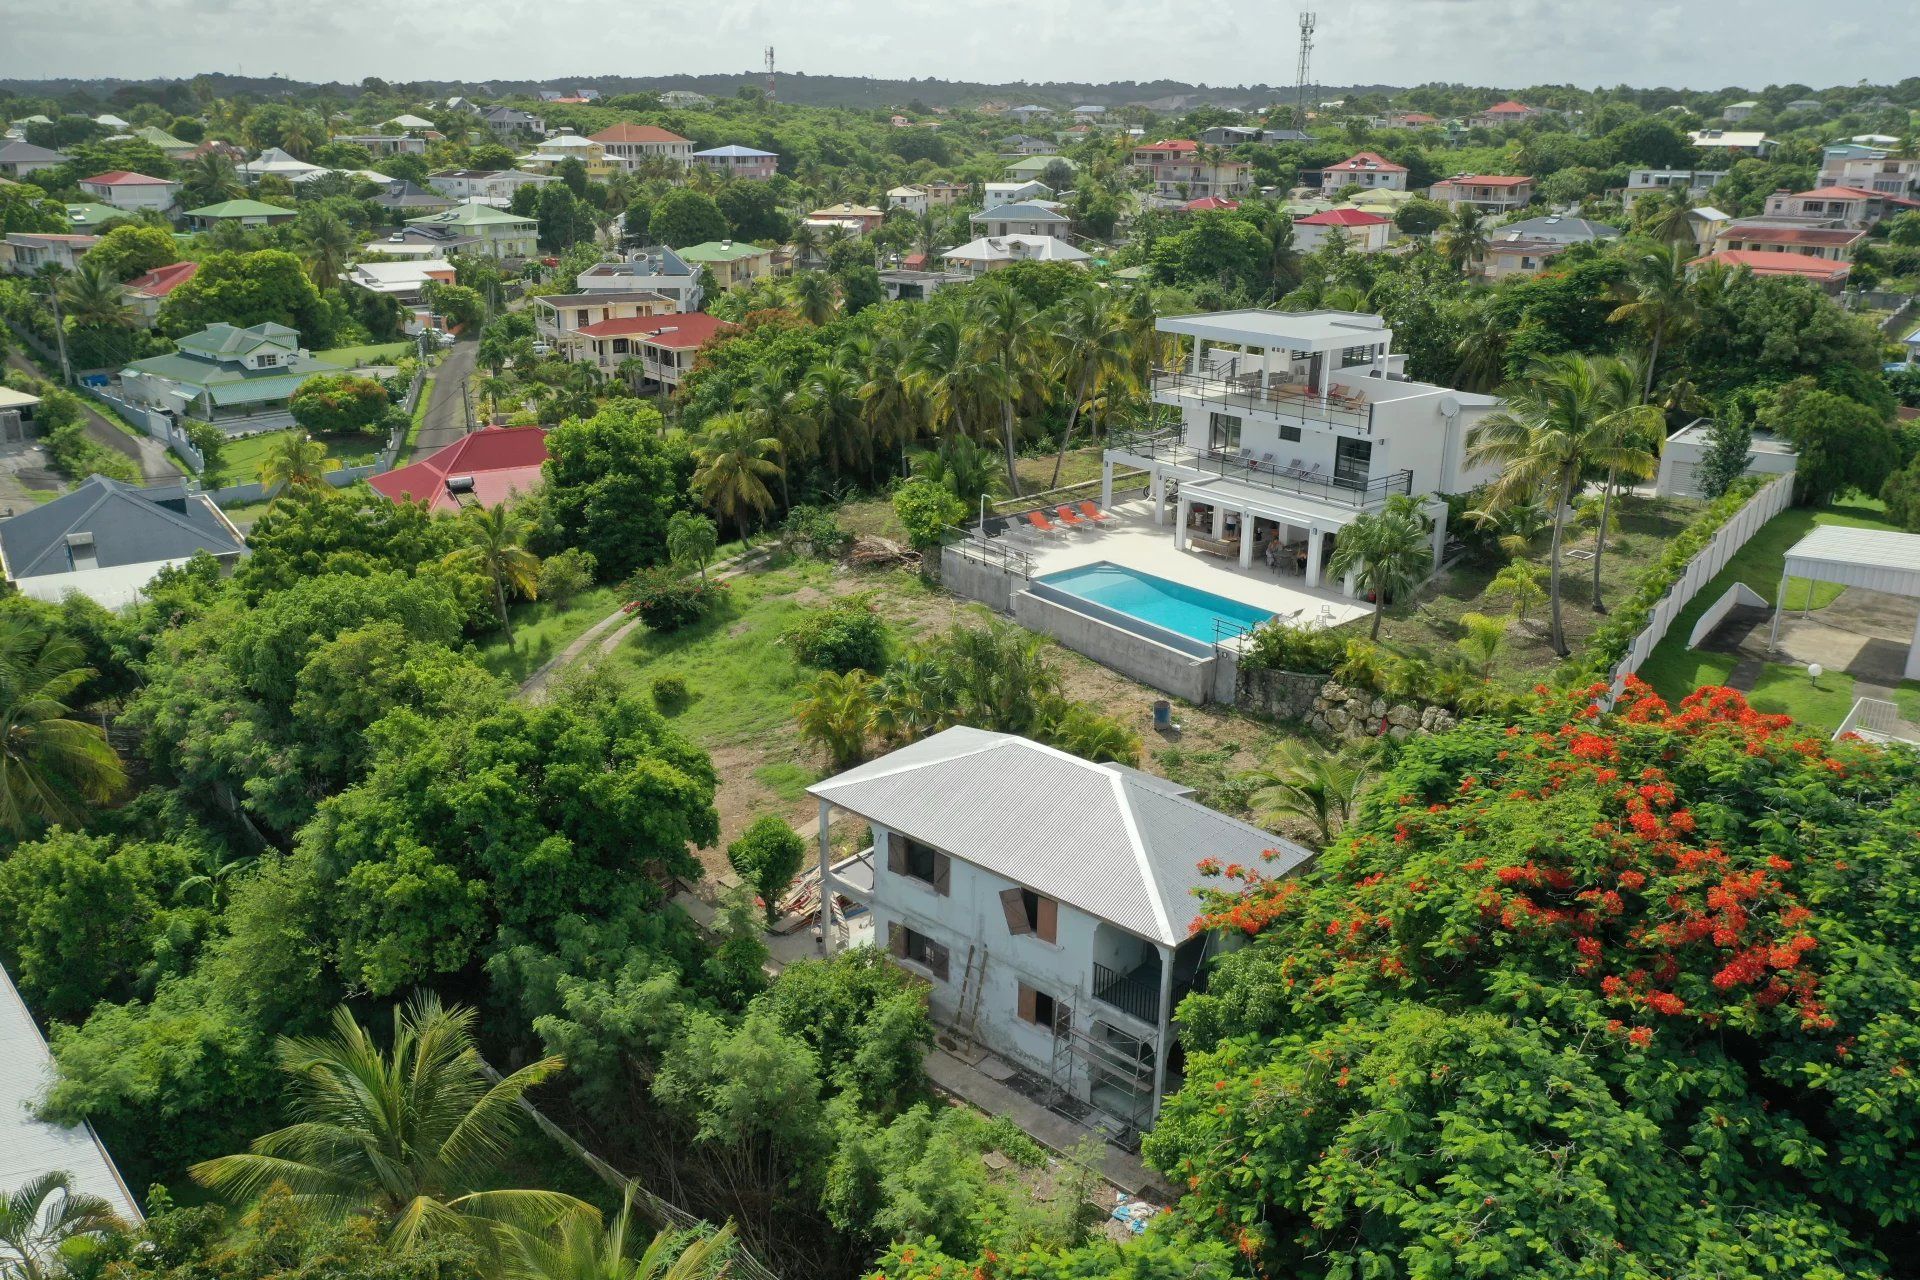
(1170,445)
(1341,406)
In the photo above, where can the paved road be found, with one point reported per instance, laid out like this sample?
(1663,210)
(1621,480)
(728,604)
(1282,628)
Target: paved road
(149,455)
(446,419)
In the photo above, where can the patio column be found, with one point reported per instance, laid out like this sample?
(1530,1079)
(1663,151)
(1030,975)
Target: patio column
(1197,344)
(1157,491)
(1913,655)
(1106,484)
(1346,585)
(1219,521)
(1779,603)
(826,879)
(1180,524)
(1166,1026)
(1246,539)
(1313,555)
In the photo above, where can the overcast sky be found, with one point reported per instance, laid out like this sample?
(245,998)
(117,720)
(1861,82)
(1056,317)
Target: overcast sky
(1496,42)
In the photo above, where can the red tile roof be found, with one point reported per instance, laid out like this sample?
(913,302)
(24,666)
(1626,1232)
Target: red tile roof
(635,133)
(1366,161)
(122,178)
(161,281)
(1485,180)
(1770,233)
(1170,144)
(680,331)
(1342,218)
(1762,263)
(1507,107)
(503,461)
(1206,203)
(1837,193)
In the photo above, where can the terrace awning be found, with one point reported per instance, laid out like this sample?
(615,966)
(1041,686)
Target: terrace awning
(1871,559)
(1270,504)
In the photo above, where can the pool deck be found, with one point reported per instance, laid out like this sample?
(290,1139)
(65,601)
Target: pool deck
(1131,539)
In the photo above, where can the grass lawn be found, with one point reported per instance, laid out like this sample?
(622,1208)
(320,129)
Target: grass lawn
(419,417)
(874,516)
(245,513)
(243,457)
(377,353)
(542,629)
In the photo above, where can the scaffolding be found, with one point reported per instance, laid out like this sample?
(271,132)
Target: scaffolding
(1117,1067)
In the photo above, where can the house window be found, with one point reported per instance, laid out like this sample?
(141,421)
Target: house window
(1030,913)
(1352,460)
(580,316)
(1289,433)
(268,360)
(920,862)
(918,948)
(1224,432)
(1351,356)
(1043,1010)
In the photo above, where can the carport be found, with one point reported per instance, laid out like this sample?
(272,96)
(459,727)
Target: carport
(1872,559)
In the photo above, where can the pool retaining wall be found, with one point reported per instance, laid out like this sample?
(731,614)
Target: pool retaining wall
(974,579)
(1157,665)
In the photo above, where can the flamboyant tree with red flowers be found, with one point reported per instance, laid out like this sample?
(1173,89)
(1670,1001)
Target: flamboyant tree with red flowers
(1595,994)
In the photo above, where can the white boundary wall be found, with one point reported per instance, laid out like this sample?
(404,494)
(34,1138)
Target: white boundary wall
(1769,502)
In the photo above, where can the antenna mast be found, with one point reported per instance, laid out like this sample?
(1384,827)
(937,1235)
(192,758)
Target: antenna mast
(769,73)
(1300,76)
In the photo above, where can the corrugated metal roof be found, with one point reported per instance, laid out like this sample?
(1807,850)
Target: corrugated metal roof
(30,1147)
(1102,838)
(1877,559)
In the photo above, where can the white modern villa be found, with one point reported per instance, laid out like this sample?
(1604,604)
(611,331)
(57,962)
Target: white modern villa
(1045,899)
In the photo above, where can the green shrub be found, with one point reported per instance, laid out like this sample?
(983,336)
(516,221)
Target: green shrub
(665,601)
(847,636)
(813,531)
(565,574)
(927,509)
(670,693)
(1278,646)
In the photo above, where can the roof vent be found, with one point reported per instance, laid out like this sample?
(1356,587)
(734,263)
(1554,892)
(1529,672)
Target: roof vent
(77,541)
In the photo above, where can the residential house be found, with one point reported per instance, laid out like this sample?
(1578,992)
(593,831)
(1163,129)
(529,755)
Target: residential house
(947,194)
(1023,144)
(1025,219)
(406,122)
(224,373)
(106,541)
(990,253)
(633,145)
(1034,168)
(559,317)
(401,197)
(19,158)
(1805,104)
(1301,422)
(1834,244)
(1735,112)
(500,234)
(111,121)
(509,122)
(739,162)
(914,280)
(1883,174)
(655,268)
(406,281)
(733,262)
(1487,192)
(481,469)
(1828,274)
(1704,224)
(1653,182)
(1229,135)
(1843,206)
(1043,898)
(423,242)
(1685,450)
(245,213)
(1405,120)
(684,98)
(1364,169)
(387,144)
(1363,232)
(130,191)
(484,186)
(858,218)
(556,149)
(1731,142)
(1524,247)
(90,219)
(1087,113)
(913,199)
(168,145)
(1029,113)
(651,354)
(279,164)
(25,252)
(1180,171)
(1503,113)
(995,194)
(145,292)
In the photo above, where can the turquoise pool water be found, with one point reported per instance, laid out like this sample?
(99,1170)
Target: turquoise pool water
(1178,608)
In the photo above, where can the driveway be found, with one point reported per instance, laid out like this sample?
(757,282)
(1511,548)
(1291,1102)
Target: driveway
(446,417)
(147,454)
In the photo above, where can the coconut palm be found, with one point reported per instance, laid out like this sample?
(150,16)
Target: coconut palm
(295,460)
(958,381)
(885,390)
(962,467)
(326,243)
(1388,551)
(767,405)
(812,293)
(805,243)
(41,1216)
(829,398)
(1668,216)
(1554,426)
(494,550)
(51,764)
(1005,359)
(1635,426)
(836,712)
(1301,782)
(1463,240)
(1659,299)
(733,463)
(210,178)
(1095,346)
(1519,581)
(1482,348)
(400,1135)
(584,1249)
(492,389)
(91,298)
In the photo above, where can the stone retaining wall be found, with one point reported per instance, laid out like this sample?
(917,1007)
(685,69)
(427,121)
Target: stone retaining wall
(1330,707)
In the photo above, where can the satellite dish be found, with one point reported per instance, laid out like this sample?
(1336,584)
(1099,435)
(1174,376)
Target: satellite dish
(1449,407)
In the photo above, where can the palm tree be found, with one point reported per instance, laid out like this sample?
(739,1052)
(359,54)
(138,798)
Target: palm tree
(813,296)
(209,179)
(40,1217)
(1554,426)
(326,243)
(401,1136)
(1463,239)
(914,698)
(1387,551)
(837,712)
(1520,581)
(733,463)
(1668,216)
(1096,352)
(1303,782)
(295,460)
(767,405)
(583,1249)
(1634,425)
(1004,360)
(830,400)
(804,244)
(1659,299)
(51,764)
(494,551)
(92,298)
(886,390)
(956,380)
(48,279)
(492,389)
(1482,349)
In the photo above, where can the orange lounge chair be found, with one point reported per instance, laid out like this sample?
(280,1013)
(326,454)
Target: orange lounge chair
(1041,523)
(1094,513)
(1068,515)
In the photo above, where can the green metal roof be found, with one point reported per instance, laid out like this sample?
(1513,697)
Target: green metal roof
(161,139)
(254,390)
(471,215)
(240,209)
(83,214)
(715,251)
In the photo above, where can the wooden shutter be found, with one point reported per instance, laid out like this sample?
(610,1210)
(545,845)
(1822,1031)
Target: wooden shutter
(942,874)
(896,940)
(1011,902)
(1046,925)
(937,960)
(896,854)
(1026,1008)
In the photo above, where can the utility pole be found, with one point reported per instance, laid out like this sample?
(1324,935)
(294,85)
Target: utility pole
(1307,22)
(466,404)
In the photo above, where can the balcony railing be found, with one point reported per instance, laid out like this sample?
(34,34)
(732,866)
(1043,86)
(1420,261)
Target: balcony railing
(1341,407)
(1171,445)
(1135,993)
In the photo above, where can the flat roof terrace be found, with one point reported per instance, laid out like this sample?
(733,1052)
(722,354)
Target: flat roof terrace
(1294,330)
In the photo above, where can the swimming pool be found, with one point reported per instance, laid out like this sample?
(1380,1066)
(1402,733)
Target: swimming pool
(1170,605)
